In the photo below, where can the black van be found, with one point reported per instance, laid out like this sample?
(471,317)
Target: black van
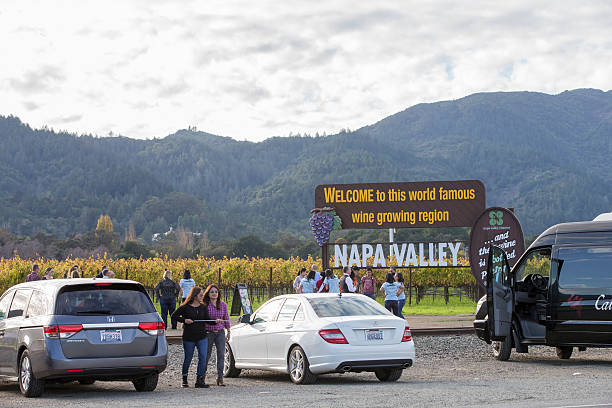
(558,294)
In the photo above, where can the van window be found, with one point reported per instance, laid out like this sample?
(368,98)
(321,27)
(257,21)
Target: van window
(103,299)
(585,267)
(38,305)
(20,302)
(537,261)
(4,304)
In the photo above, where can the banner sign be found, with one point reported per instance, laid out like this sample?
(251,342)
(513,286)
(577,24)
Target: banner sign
(495,226)
(426,204)
(407,254)
(240,300)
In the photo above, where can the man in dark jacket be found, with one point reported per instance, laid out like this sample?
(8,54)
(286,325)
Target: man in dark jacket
(167,292)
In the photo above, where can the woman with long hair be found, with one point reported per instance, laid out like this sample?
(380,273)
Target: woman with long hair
(390,288)
(193,313)
(218,333)
(401,293)
(308,284)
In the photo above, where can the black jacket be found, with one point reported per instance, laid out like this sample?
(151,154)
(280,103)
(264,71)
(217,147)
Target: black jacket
(196,330)
(167,289)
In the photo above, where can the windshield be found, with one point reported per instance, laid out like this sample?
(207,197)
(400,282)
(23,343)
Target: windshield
(116,299)
(346,306)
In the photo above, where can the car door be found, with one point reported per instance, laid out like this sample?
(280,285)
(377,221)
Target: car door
(252,350)
(5,357)
(281,331)
(499,294)
(12,324)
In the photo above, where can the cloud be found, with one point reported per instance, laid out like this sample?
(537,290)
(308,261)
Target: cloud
(256,69)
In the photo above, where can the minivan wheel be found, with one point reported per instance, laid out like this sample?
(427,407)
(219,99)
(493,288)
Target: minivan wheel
(229,364)
(388,374)
(502,349)
(146,384)
(564,352)
(299,368)
(29,385)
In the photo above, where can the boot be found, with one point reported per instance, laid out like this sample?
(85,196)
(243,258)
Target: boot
(220,382)
(200,383)
(185,383)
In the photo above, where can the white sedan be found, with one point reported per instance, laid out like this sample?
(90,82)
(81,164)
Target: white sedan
(311,334)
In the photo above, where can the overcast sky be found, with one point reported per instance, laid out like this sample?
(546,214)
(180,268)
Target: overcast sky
(256,69)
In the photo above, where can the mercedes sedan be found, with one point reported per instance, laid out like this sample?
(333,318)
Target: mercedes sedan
(311,334)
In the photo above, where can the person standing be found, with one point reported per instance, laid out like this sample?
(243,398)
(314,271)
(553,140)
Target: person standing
(34,276)
(218,333)
(356,277)
(167,292)
(346,281)
(390,288)
(368,284)
(186,284)
(401,294)
(308,284)
(192,313)
(48,274)
(317,274)
(331,283)
(298,280)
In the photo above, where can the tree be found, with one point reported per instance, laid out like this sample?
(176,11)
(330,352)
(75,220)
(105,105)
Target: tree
(104,224)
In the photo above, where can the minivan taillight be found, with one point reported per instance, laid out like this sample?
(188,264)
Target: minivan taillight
(407,335)
(152,328)
(334,336)
(62,331)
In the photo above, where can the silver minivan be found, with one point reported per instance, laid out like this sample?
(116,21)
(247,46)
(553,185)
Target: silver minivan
(80,330)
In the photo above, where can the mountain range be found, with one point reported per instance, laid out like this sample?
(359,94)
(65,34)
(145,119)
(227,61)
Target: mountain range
(547,156)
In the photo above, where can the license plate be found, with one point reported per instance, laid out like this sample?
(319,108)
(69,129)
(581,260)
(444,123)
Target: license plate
(110,336)
(374,335)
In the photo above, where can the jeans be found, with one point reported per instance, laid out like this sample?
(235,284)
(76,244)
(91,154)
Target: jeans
(370,295)
(189,347)
(218,339)
(391,305)
(400,307)
(167,306)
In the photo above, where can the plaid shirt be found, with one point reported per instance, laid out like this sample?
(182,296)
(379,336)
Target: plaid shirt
(215,314)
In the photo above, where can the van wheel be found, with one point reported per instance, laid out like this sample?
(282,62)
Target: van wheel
(564,352)
(388,374)
(229,364)
(29,385)
(502,349)
(146,384)
(299,368)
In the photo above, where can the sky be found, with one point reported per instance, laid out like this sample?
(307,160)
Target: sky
(256,69)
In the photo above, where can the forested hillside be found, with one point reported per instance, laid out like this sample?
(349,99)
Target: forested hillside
(546,155)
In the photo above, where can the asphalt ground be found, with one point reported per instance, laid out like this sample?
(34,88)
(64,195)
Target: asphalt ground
(452,371)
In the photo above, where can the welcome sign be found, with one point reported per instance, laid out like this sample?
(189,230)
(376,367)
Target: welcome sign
(427,204)
(406,254)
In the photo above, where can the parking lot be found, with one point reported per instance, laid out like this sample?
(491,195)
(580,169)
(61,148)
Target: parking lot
(449,371)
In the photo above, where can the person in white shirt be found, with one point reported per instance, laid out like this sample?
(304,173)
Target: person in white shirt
(317,274)
(346,281)
(297,283)
(330,283)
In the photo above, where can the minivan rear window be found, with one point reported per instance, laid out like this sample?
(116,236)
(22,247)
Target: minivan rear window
(102,299)
(346,306)
(586,268)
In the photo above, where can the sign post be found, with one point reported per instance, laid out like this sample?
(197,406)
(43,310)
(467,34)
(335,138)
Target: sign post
(240,300)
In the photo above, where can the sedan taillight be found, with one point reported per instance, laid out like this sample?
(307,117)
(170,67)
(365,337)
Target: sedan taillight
(62,331)
(334,336)
(152,328)
(407,335)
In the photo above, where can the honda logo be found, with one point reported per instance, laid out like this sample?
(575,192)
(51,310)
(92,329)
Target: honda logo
(110,319)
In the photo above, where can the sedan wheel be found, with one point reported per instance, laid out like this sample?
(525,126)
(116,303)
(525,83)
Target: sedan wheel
(29,385)
(299,368)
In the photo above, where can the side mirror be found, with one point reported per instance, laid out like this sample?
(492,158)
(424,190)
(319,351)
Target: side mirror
(245,318)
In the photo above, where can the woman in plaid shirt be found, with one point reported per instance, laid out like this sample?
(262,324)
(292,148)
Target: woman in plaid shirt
(217,309)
